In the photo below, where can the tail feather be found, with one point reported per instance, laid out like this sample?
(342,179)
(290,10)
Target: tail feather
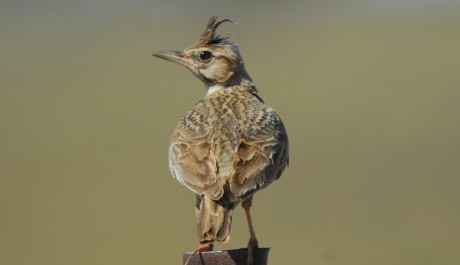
(214,221)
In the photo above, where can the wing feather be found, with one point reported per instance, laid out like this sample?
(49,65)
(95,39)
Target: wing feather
(259,163)
(193,166)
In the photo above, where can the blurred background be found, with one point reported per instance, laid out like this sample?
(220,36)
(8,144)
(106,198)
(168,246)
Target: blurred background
(369,92)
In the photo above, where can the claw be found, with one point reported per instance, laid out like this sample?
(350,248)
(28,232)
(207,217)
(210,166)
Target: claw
(205,248)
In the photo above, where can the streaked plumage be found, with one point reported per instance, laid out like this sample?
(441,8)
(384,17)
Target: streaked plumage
(231,144)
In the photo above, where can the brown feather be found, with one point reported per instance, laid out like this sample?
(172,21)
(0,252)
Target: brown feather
(231,144)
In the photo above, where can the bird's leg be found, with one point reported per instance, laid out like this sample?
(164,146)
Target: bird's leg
(253,243)
(203,248)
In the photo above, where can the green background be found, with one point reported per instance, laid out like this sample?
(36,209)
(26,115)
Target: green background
(369,92)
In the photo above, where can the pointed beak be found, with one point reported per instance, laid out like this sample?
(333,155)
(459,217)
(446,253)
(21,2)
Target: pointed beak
(173,56)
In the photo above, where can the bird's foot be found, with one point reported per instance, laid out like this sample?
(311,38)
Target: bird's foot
(253,243)
(205,248)
(202,248)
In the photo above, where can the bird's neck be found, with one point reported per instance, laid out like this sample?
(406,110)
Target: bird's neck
(243,84)
(240,78)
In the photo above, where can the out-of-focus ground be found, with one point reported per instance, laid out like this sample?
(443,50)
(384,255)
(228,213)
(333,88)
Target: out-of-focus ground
(369,92)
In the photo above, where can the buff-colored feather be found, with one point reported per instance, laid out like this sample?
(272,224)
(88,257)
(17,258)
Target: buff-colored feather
(231,144)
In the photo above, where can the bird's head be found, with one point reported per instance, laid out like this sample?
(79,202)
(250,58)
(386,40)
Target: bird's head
(214,59)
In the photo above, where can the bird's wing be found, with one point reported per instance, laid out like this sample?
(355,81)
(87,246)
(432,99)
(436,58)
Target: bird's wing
(193,165)
(261,157)
(190,158)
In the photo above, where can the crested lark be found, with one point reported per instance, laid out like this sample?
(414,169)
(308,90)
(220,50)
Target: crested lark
(231,144)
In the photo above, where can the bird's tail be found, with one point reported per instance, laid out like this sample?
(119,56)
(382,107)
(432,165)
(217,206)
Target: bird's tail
(214,221)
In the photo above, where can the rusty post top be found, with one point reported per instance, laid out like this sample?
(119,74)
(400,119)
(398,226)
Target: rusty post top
(227,257)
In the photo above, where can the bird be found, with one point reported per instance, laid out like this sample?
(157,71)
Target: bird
(231,144)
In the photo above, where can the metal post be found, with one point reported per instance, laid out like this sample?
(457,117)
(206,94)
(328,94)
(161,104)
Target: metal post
(227,257)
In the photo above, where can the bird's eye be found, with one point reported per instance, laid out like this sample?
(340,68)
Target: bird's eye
(205,55)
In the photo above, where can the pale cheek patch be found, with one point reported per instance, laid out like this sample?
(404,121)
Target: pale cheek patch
(217,72)
(213,71)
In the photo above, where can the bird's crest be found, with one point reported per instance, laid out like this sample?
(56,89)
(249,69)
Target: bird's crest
(209,34)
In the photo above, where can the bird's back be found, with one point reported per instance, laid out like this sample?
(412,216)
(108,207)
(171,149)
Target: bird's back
(230,142)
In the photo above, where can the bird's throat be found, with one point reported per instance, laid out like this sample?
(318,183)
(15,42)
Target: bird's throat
(213,89)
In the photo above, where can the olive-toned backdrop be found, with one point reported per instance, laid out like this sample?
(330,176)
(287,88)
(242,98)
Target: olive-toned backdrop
(369,92)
